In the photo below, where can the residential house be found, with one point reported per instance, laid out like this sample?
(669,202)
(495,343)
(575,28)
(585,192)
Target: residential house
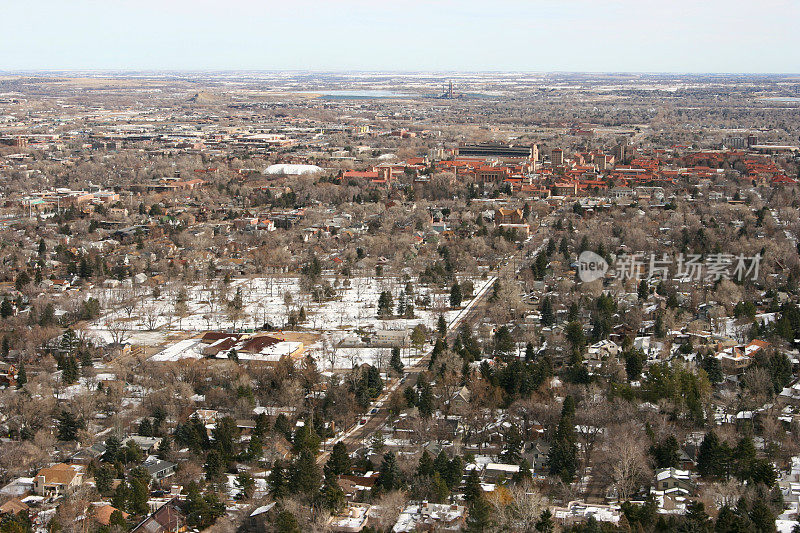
(427,516)
(621,193)
(85,456)
(735,360)
(215,342)
(672,490)
(604,349)
(147,444)
(159,469)
(8,375)
(459,403)
(577,512)
(564,189)
(522,230)
(267,348)
(388,338)
(601,351)
(206,416)
(497,472)
(58,479)
(13,506)
(504,215)
(351,520)
(260,519)
(18,487)
(356,487)
(167,519)
(671,478)
(538,455)
(789,484)
(102,514)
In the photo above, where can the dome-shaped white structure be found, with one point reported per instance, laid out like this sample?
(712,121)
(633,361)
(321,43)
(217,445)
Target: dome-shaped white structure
(293,170)
(386,157)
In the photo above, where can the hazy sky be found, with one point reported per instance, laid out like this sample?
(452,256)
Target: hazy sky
(533,35)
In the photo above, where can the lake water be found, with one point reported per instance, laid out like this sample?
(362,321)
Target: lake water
(783,98)
(357,94)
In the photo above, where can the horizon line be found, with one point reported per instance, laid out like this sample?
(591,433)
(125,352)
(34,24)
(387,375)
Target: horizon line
(378,71)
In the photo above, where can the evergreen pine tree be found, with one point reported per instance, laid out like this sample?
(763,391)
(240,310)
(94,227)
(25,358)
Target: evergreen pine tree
(396,362)
(385,304)
(6,309)
(84,268)
(138,495)
(425,467)
(214,466)
(425,402)
(441,462)
(441,326)
(389,476)
(255,449)
(22,280)
(454,472)
(438,348)
(86,358)
(120,497)
(455,295)
(713,458)
(563,459)
(545,523)
(202,509)
(713,369)
(665,453)
(573,312)
(282,427)
(697,517)
(333,497)
(22,376)
(529,353)
(762,517)
(551,247)
(401,304)
(68,426)
(70,373)
(643,290)
(512,451)
(145,427)
(547,314)
(658,328)
(503,342)
(439,488)
(339,461)
(246,486)
(164,447)
(117,521)
(564,248)
(472,488)
(305,477)
(262,425)
(480,516)
(277,481)
(285,522)
(103,478)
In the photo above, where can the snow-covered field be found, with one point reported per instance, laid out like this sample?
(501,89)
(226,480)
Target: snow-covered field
(146,320)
